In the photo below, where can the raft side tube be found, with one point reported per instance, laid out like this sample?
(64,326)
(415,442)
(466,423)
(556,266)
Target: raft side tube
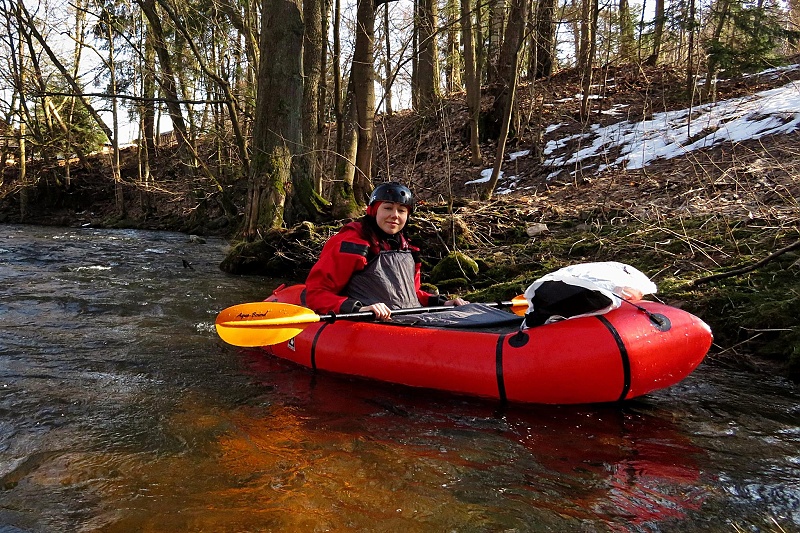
(456,361)
(572,361)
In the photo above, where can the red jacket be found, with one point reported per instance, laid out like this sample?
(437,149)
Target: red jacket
(344,254)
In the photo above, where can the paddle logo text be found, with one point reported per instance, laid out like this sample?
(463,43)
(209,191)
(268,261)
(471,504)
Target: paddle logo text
(254,314)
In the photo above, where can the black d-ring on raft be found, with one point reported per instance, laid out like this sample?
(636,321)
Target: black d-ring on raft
(659,321)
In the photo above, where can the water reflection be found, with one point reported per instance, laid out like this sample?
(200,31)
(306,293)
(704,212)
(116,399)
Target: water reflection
(608,463)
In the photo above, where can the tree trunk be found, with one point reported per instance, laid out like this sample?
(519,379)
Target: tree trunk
(23,173)
(497,21)
(363,75)
(306,201)
(427,72)
(387,64)
(453,59)
(574,22)
(277,130)
(478,42)
(586,38)
(473,86)
(509,59)
(167,76)
(147,108)
(658,33)
(23,156)
(345,203)
(322,97)
(510,62)
(313,43)
(111,64)
(589,54)
(80,28)
(690,70)
(626,34)
(337,74)
(712,58)
(545,33)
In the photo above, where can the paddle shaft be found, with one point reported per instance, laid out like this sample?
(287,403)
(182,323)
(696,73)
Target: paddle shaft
(331,317)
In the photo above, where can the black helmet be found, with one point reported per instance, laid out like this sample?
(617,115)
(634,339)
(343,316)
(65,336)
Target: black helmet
(392,192)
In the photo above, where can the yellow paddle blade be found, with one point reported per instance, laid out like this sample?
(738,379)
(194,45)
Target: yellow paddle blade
(519,305)
(262,323)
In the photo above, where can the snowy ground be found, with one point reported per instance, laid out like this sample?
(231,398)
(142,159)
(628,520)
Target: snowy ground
(666,135)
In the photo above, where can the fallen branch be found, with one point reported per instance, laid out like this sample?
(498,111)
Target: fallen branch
(744,270)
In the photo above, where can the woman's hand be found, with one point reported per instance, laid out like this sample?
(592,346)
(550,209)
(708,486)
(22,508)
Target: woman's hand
(380,310)
(457,301)
(629,293)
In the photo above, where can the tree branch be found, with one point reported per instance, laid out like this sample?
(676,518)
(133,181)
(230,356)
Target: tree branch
(126,97)
(748,268)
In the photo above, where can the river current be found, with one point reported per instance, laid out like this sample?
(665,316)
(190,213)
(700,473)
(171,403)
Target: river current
(122,411)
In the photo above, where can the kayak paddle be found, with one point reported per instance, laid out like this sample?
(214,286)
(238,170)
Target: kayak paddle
(266,323)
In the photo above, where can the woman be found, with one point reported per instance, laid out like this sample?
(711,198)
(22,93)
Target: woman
(370,265)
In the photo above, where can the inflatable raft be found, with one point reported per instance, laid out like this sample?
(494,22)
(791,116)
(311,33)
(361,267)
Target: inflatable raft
(620,355)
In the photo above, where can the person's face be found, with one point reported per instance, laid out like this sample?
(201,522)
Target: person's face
(391,217)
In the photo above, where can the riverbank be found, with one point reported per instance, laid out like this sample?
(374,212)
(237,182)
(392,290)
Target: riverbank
(679,233)
(728,210)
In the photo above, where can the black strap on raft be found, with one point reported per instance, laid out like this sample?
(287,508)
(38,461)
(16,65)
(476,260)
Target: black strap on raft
(314,347)
(659,321)
(624,358)
(501,382)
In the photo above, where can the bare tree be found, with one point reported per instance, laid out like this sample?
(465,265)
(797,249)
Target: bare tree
(588,50)
(426,76)
(497,22)
(363,76)
(509,59)
(627,38)
(387,64)
(794,20)
(658,33)
(166,77)
(723,7)
(690,68)
(107,27)
(473,86)
(277,132)
(510,63)
(453,66)
(313,46)
(147,112)
(345,203)
(221,83)
(544,45)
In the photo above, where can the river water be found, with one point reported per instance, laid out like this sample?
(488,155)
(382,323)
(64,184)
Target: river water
(121,411)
